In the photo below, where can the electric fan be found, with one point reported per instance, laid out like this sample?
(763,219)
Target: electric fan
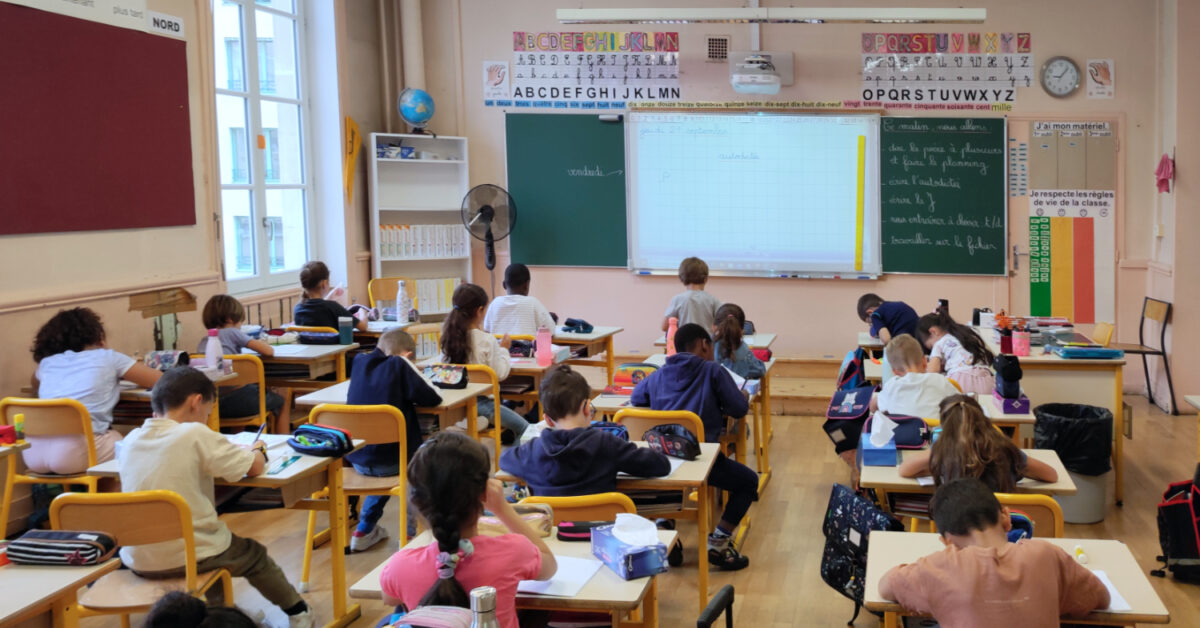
(489,214)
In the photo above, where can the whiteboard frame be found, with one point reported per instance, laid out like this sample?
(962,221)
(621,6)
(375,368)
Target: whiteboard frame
(875,245)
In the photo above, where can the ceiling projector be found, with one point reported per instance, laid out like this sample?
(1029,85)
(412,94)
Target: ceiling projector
(755,74)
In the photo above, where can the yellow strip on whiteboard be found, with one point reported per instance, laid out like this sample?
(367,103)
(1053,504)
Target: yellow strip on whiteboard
(1062,267)
(862,175)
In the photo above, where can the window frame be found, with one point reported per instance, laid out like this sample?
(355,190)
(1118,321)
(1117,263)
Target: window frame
(253,97)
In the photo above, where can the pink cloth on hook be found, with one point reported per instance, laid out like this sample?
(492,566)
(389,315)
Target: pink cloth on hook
(1164,173)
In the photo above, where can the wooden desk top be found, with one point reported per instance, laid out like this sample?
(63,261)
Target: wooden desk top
(992,410)
(866,341)
(691,473)
(889,549)
(758,340)
(8,450)
(450,397)
(660,359)
(1038,356)
(378,327)
(306,353)
(598,333)
(143,394)
(888,478)
(872,370)
(604,591)
(526,366)
(30,586)
(610,404)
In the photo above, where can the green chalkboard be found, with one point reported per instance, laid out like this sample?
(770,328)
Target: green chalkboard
(566,173)
(943,195)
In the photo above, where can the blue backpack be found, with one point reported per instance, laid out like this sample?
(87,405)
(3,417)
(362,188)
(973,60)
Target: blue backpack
(852,375)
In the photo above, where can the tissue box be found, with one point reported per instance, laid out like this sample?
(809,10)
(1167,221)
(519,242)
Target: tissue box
(873,456)
(8,434)
(1020,405)
(628,561)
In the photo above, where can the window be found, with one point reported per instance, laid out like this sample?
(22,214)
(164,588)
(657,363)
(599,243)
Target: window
(262,139)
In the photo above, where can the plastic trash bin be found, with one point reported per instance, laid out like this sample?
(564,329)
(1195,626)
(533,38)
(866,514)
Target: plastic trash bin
(1081,435)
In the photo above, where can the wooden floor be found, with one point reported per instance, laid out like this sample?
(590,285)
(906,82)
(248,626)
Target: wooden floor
(782,586)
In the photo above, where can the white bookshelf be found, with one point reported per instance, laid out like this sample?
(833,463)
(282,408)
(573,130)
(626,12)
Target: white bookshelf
(407,196)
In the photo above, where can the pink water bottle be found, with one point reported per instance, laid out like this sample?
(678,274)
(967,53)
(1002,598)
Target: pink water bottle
(543,349)
(672,327)
(212,350)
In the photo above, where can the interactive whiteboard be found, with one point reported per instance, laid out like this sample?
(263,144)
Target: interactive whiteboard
(753,193)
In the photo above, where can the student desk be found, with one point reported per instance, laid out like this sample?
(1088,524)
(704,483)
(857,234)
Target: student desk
(1194,400)
(296,484)
(889,549)
(319,360)
(887,479)
(1001,419)
(599,340)
(37,593)
(525,367)
(138,395)
(868,342)
(692,475)
(605,591)
(872,371)
(757,340)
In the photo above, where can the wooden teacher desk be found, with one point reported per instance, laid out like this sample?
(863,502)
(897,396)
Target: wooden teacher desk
(888,549)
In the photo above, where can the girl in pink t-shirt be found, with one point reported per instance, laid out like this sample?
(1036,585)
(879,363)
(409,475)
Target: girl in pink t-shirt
(448,478)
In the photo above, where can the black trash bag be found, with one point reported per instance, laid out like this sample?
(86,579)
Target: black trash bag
(1081,435)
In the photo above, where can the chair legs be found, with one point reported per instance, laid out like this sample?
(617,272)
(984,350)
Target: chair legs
(1170,384)
(306,569)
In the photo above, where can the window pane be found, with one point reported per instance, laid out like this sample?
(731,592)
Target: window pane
(286,229)
(230,63)
(281,125)
(232,139)
(277,65)
(237,226)
(282,5)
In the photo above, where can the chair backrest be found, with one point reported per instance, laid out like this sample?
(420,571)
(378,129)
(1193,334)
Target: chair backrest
(387,287)
(596,507)
(300,328)
(524,337)
(1102,333)
(720,603)
(1046,514)
(956,385)
(1155,310)
(376,424)
(638,420)
(51,417)
(137,518)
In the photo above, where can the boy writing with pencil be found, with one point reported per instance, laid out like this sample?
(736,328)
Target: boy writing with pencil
(176,451)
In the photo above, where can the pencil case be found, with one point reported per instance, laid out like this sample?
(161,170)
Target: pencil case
(316,439)
(540,517)
(578,530)
(318,338)
(447,376)
(62,547)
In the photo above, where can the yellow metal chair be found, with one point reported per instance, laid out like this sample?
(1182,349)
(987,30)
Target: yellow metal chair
(484,374)
(46,417)
(432,330)
(1159,312)
(957,386)
(303,328)
(595,507)
(377,425)
(638,420)
(387,287)
(1045,513)
(138,518)
(1102,333)
(248,369)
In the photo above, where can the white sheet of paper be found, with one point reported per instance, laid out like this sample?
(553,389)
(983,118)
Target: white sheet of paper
(925,480)
(568,581)
(675,464)
(273,441)
(1116,602)
(282,350)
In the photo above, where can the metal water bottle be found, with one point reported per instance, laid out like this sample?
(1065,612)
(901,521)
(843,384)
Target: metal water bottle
(483,608)
(672,327)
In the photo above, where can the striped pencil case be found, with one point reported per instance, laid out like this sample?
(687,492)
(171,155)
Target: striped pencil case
(62,547)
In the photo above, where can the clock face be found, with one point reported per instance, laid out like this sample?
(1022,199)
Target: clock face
(1060,77)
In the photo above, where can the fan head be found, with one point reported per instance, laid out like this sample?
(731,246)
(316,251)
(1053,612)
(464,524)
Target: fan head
(489,213)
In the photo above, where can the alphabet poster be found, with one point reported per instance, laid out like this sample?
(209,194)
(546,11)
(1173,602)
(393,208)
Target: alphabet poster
(591,70)
(929,68)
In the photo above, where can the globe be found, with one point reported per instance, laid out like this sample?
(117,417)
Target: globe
(415,106)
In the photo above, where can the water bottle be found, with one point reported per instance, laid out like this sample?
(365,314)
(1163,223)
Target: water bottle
(543,349)
(345,329)
(672,326)
(483,608)
(403,303)
(212,350)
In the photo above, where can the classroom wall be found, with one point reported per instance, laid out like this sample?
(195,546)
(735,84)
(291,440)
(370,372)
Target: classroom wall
(827,68)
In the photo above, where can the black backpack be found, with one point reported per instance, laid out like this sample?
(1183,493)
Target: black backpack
(849,520)
(1179,530)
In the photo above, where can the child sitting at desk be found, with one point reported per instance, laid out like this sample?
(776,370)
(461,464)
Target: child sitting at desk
(732,353)
(570,458)
(970,446)
(690,380)
(225,314)
(314,310)
(178,440)
(913,391)
(516,313)
(386,376)
(693,305)
(448,480)
(74,363)
(887,319)
(981,579)
(463,341)
(957,350)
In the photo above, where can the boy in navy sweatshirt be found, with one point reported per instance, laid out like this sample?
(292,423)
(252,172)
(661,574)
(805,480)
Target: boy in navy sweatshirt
(570,458)
(887,319)
(692,381)
(386,376)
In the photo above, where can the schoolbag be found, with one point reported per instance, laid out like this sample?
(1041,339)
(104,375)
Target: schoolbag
(851,375)
(848,411)
(1179,530)
(849,520)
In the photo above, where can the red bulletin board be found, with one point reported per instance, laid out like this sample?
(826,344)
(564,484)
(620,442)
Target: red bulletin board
(94,131)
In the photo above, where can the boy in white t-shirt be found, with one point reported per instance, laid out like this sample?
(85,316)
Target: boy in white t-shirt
(176,451)
(517,313)
(912,391)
